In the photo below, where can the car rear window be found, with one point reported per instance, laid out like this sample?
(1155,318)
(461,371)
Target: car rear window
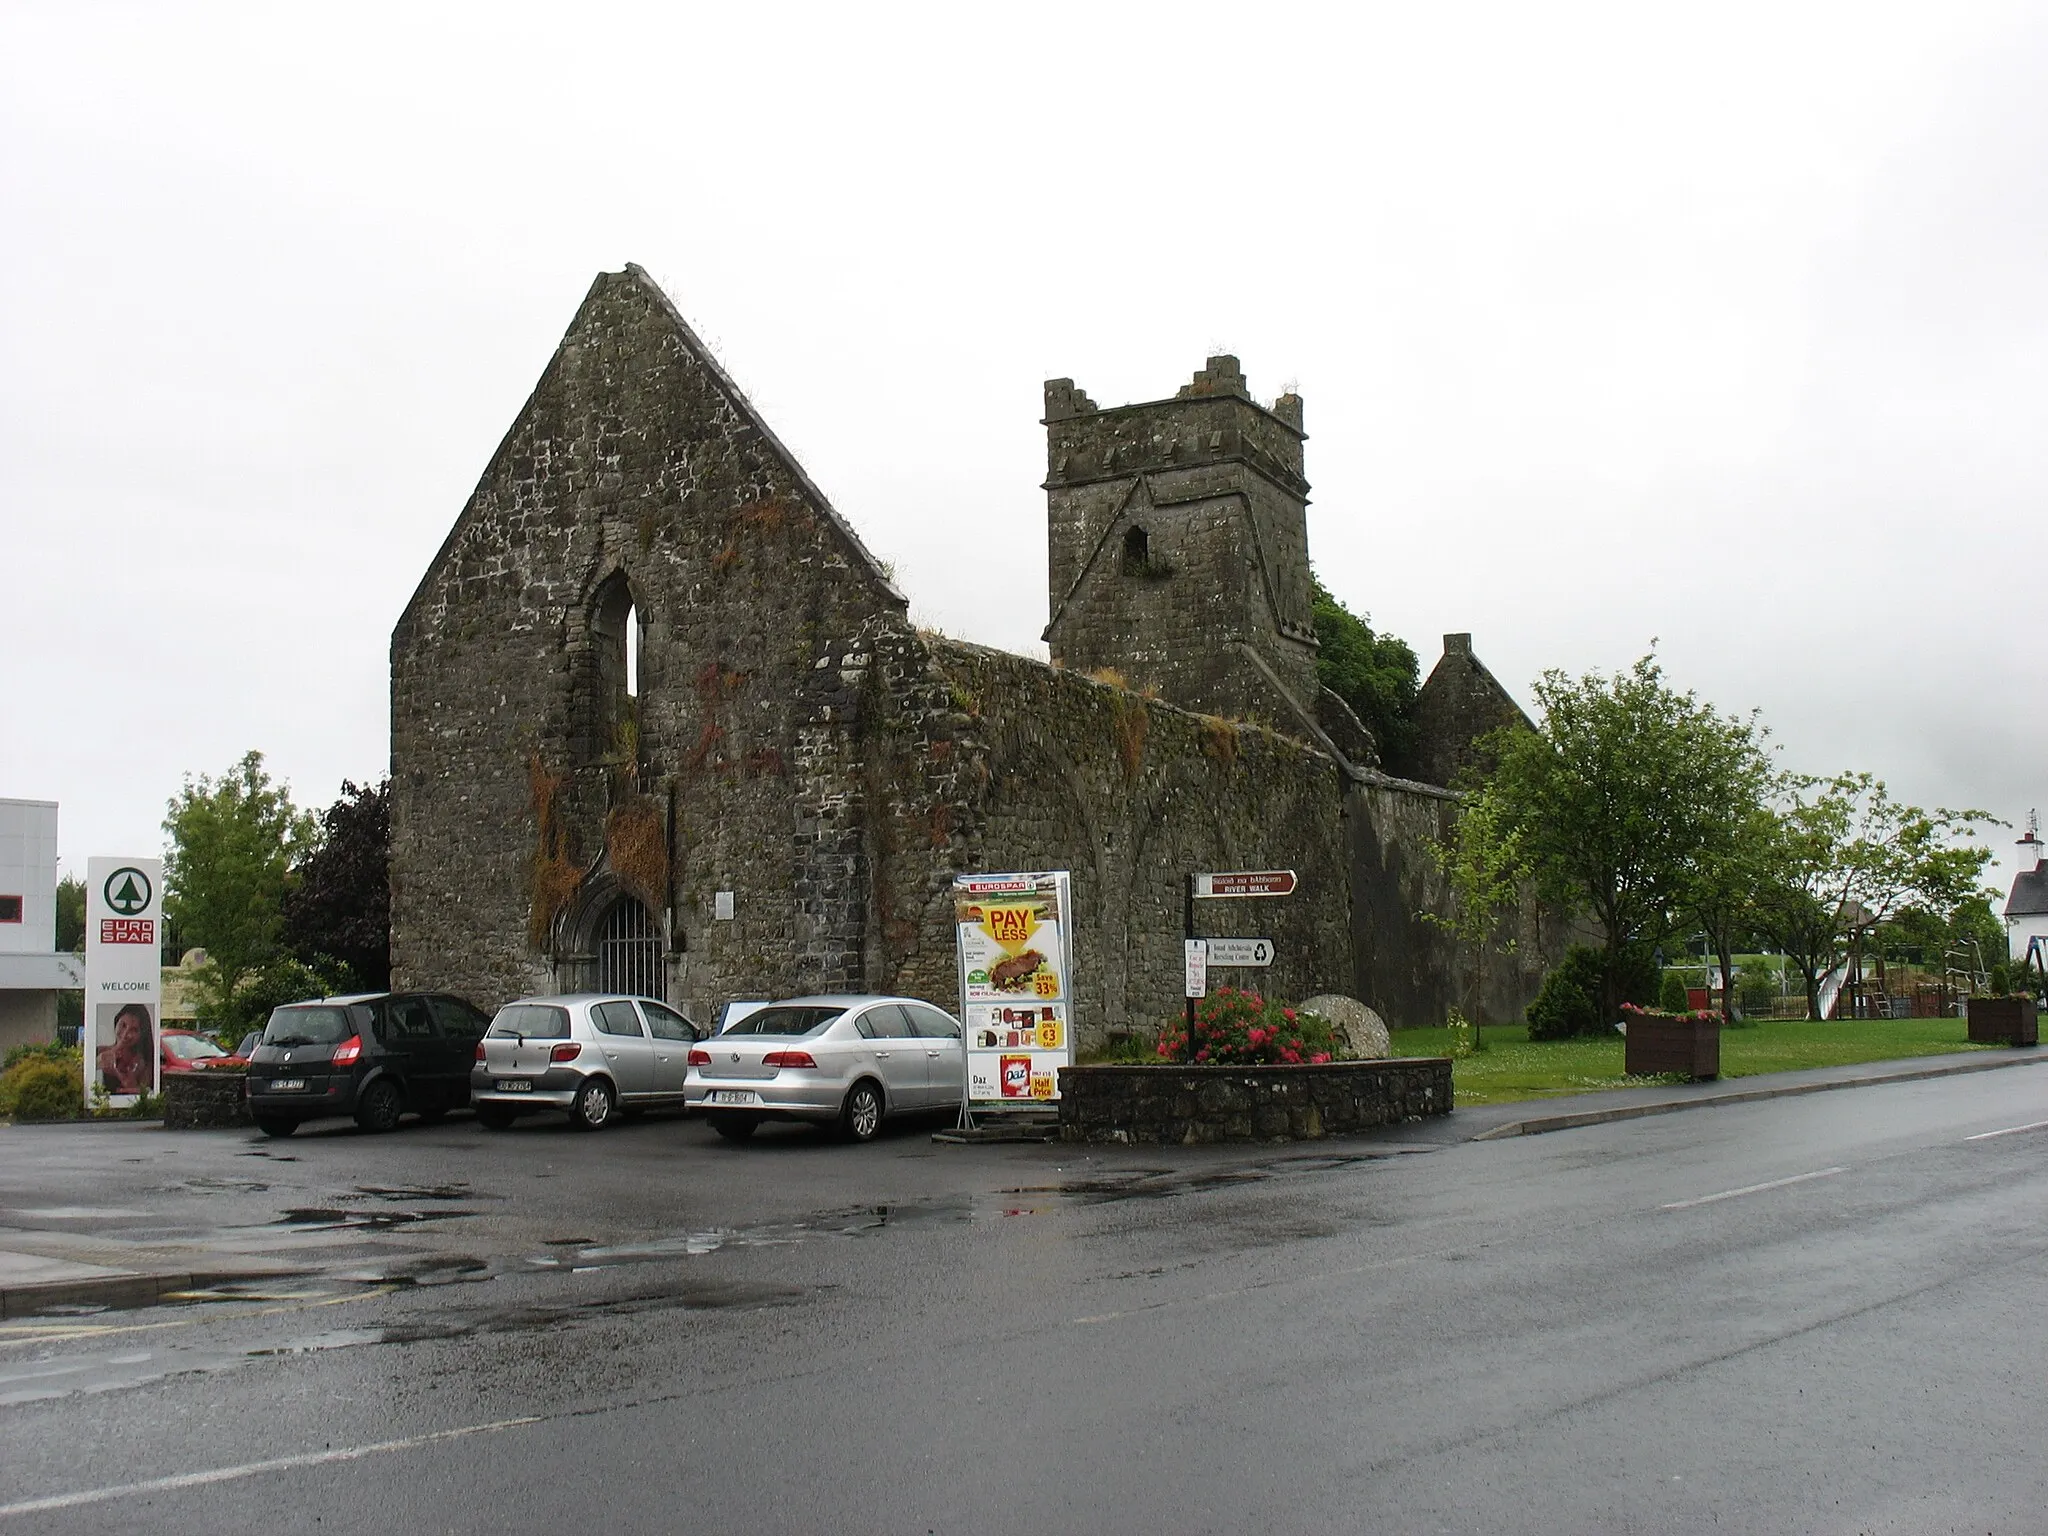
(308,1026)
(191,1047)
(530,1021)
(791,1022)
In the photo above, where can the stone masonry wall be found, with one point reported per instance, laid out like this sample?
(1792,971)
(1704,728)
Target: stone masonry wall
(635,455)
(1460,702)
(1180,1105)
(1408,968)
(997,762)
(1214,483)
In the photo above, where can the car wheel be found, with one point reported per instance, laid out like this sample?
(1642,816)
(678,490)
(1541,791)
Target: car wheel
(592,1110)
(862,1115)
(492,1118)
(734,1127)
(380,1106)
(275,1125)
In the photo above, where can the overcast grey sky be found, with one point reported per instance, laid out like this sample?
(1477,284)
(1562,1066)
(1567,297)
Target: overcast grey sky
(1725,325)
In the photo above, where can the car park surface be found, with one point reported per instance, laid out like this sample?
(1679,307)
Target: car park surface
(653,1330)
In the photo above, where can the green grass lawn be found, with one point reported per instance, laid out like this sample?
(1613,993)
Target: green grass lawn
(1512,1066)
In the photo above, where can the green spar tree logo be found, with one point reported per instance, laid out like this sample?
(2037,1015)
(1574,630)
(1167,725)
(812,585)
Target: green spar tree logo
(127,890)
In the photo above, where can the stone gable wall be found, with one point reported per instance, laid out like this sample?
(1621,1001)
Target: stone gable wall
(636,455)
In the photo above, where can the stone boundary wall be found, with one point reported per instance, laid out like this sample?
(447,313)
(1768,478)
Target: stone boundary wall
(209,1099)
(1181,1105)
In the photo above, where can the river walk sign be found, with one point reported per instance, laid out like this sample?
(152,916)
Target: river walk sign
(124,914)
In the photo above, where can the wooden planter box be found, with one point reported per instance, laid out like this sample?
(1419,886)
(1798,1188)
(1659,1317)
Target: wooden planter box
(1672,1045)
(2005,1021)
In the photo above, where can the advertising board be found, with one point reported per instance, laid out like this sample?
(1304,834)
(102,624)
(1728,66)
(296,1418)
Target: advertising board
(1015,938)
(124,912)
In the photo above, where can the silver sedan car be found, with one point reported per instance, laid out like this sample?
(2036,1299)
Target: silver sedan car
(589,1055)
(849,1061)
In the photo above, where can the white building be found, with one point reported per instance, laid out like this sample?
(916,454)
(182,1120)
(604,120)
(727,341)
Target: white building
(31,971)
(2026,909)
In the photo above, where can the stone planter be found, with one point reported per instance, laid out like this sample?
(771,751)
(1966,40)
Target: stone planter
(1183,1104)
(1689,1047)
(206,1099)
(2005,1021)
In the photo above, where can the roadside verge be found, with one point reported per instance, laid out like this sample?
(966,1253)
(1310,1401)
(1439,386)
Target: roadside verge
(1636,1103)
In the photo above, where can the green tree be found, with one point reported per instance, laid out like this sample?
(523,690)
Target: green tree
(233,842)
(1612,807)
(1845,851)
(1375,674)
(71,915)
(337,912)
(1732,865)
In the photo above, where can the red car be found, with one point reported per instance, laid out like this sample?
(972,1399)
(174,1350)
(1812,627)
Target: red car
(184,1051)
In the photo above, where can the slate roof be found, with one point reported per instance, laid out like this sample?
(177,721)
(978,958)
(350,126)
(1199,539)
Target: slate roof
(2029,896)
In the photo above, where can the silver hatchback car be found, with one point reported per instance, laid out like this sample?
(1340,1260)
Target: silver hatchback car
(841,1060)
(588,1055)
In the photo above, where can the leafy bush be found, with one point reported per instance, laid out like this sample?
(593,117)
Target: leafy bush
(47,1050)
(1756,991)
(283,980)
(1238,1028)
(1569,1004)
(41,1089)
(1671,992)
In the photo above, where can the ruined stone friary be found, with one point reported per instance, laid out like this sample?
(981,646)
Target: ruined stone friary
(780,799)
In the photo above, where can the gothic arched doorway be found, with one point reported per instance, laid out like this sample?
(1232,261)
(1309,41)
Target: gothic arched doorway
(629,951)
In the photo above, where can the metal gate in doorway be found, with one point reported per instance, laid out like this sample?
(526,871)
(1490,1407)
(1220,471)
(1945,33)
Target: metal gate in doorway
(629,951)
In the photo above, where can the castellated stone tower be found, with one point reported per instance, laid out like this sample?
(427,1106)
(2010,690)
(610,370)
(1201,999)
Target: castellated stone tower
(1179,545)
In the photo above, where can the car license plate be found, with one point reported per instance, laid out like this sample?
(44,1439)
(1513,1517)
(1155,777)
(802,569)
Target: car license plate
(287,1085)
(734,1096)
(513,1085)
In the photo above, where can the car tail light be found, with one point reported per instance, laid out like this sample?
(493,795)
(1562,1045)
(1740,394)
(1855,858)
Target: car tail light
(348,1050)
(700,1058)
(479,1050)
(788,1059)
(565,1053)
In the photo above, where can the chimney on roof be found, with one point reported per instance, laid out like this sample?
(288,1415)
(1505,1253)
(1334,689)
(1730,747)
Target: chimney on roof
(2031,845)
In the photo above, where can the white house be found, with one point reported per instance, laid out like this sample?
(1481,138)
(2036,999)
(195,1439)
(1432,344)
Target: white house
(31,971)
(2026,909)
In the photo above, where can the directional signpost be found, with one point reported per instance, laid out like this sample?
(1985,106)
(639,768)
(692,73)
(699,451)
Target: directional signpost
(1203,953)
(1239,951)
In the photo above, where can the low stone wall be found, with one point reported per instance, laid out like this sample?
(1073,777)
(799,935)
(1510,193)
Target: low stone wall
(207,1099)
(1195,1104)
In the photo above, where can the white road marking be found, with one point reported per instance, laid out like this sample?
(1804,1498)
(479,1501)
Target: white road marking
(1752,1189)
(254,1469)
(2010,1130)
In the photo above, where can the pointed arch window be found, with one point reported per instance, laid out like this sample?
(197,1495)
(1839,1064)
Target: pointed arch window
(611,675)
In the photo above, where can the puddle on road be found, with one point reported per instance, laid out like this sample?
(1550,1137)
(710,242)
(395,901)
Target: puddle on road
(210,1186)
(76,1213)
(458,1191)
(579,1255)
(326,1218)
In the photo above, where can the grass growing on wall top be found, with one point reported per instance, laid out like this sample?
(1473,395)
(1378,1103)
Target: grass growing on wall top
(1512,1066)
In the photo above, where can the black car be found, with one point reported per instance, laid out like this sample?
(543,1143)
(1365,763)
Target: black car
(374,1056)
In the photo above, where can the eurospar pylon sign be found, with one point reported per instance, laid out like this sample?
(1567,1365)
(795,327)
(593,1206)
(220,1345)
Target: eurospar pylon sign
(124,919)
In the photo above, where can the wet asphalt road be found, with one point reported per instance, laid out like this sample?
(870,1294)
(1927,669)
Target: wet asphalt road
(1607,1329)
